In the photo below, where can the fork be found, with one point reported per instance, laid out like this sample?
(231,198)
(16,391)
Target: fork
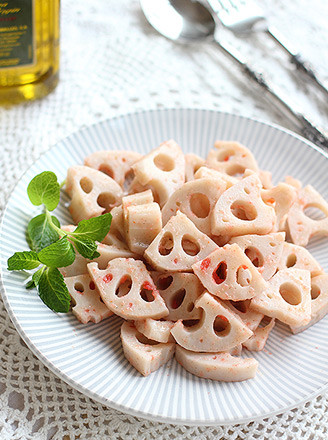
(241,16)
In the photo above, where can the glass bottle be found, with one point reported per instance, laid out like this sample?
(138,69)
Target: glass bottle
(29,49)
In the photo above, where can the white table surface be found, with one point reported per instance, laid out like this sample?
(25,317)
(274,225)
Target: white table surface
(113,63)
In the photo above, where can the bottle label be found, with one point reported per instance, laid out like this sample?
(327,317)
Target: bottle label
(16,33)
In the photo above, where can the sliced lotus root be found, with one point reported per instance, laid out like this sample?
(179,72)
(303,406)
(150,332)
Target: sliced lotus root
(287,297)
(217,330)
(116,234)
(196,199)
(144,354)
(193,163)
(163,169)
(116,164)
(159,331)
(240,210)
(258,340)
(298,257)
(179,291)
(178,246)
(264,251)
(229,274)
(216,366)
(210,173)
(266,179)
(242,308)
(301,224)
(281,197)
(127,289)
(143,223)
(88,305)
(92,193)
(297,184)
(319,302)
(231,158)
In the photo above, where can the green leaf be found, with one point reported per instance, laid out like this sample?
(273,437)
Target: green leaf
(95,228)
(37,275)
(58,254)
(53,290)
(44,189)
(25,260)
(86,247)
(40,233)
(30,284)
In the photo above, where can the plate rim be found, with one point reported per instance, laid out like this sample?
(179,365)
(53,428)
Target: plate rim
(87,392)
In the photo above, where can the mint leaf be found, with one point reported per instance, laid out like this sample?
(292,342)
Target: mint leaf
(95,228)
(40,233)
(30,284)
(25,260)
(53,290)
(44,189)
(37,275)
(86,247)
(58,254)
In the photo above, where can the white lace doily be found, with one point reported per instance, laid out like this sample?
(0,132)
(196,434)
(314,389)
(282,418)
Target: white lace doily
(114,63)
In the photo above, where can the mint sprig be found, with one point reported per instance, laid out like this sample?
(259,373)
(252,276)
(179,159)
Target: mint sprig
(52,247)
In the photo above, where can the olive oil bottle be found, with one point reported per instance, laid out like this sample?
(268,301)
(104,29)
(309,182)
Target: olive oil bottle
(29,49)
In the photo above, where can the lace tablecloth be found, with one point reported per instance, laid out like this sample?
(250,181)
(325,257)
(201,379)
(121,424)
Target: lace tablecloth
(114,63)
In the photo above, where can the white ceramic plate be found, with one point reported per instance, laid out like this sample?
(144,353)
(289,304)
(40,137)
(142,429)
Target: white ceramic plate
(292,368)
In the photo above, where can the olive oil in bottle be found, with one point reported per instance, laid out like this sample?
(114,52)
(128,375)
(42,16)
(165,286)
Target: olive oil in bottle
(29,49)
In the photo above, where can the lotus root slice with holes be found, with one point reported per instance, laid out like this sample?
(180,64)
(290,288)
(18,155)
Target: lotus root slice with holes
(231,158)
(178,246)
(195,199)
(264,251)
(301,226)
(163,169)
(192,164)
(287,298)
(319,302)
(281,197)
(229,274)
(92,192)
(88,305)
(298,257)
(116,164)
(127,289)
(180,292)
(240,210)
(217,330)
(258,340)
(144,354)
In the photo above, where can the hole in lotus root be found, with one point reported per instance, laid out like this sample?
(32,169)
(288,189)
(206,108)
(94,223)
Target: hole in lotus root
(314,212)
(92,285)
(164,282)
(315,291)
(235,170)
(86,184)
(221,326)
(255,256)
(243,276)
(291,260)
(106,201)
(79,287)
(225,155)
(243,210)
(106,169)
(190,307)
(144,340)
(290,293)
(164,162)
(178,298)
(200,205)
(147,292)
(241,306)
(128,178)
(189,323)
(189,246)
(166,244)
(220,273)
(124,286)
